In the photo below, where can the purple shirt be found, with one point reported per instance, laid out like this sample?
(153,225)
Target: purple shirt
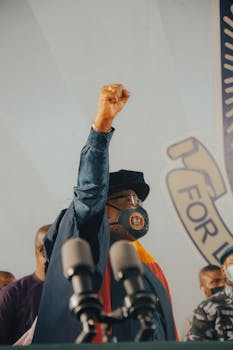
(19,305)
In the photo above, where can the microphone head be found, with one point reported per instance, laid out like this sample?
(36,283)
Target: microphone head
(124,257)
(76,253)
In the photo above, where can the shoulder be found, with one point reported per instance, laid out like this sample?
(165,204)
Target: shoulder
(210,306)
(8,293)
(215,299)
(17,291)
(25,281)
(14,287)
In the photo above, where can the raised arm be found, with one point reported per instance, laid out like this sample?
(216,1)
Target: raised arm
(90,195)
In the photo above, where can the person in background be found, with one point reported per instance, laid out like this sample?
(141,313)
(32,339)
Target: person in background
(6,278)
(211,281)
(19,301)
(213,318)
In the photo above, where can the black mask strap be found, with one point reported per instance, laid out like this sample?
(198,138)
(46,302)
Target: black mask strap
(113,206)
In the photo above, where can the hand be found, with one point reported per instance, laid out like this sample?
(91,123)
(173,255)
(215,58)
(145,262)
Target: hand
(112,99)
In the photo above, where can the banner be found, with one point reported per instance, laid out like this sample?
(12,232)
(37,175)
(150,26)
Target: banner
(196,187)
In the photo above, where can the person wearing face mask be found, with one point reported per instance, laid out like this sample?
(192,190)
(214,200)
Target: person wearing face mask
(227,261)
(128,220)
(96,215)
(126,216)
(213,318)
(211,280)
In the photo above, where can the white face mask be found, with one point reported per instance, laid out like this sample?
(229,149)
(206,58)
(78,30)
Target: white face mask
(229,273)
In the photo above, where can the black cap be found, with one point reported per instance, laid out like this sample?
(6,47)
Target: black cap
(128,179)
(226,253)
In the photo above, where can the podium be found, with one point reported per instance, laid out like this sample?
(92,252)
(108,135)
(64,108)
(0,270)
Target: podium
(169,345)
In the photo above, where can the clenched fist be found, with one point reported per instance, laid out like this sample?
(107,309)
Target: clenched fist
(112,98)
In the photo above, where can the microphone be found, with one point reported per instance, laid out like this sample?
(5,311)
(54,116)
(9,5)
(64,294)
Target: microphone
(126,266)
(78,267)
(128,269)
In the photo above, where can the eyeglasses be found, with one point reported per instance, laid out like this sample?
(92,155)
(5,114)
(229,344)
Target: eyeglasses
(132,198)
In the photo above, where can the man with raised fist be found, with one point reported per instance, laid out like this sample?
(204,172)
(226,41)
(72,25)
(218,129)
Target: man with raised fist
(92,215)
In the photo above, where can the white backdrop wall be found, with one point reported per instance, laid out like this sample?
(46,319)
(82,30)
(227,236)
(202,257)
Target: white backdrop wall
(54,57)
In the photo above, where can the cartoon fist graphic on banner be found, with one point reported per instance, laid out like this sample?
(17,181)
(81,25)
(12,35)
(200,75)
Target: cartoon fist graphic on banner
(194,189)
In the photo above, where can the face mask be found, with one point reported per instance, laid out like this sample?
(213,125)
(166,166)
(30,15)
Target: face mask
(135,221)
(229,272)
(216,290)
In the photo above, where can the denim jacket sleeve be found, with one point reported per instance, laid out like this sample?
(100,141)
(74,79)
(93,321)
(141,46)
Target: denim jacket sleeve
(90,194)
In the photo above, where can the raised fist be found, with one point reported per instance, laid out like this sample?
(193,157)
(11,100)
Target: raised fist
(112,98)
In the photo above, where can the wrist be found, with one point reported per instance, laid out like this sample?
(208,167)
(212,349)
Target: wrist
(103,130)
(101,124)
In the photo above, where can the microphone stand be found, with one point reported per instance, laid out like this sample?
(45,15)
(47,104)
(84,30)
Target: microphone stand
(141,306)
(117,316)
(88,309)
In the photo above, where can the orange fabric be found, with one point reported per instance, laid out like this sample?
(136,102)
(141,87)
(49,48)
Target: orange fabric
(147,259)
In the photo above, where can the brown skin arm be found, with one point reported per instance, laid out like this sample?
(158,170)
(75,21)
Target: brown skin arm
(111,100)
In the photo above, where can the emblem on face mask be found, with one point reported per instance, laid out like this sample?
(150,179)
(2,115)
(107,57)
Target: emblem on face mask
(137,221)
